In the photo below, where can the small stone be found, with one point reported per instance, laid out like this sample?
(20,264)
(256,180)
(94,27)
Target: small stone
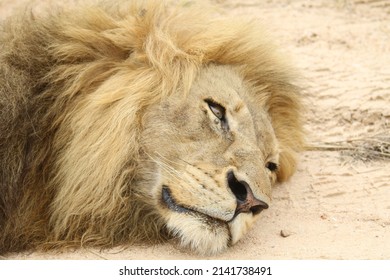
(285,233)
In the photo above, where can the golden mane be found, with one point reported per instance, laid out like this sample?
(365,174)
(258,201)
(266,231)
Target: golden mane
(73,89)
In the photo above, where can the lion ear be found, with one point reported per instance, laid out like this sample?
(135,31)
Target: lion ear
(286,109)
(287,164)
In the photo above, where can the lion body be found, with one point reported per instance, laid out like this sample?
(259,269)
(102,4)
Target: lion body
(79,92)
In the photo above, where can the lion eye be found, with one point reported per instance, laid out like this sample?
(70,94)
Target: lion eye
(218,110)
(272,166)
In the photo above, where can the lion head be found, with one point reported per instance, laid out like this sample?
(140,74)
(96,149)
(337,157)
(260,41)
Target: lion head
(147,122)
(215,158)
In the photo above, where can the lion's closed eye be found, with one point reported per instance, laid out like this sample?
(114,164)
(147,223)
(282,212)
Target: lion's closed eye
(272,166)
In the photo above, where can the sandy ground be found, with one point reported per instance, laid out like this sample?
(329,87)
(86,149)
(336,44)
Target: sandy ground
(337,206)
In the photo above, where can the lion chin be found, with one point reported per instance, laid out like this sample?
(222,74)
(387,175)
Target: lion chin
(205,235)
(202,233)
(145,122)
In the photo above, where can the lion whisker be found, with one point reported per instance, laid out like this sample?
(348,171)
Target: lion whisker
(175,175)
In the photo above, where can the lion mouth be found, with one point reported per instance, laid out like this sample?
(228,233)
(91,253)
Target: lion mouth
(172,205)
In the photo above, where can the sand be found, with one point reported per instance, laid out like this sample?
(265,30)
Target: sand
(337,205)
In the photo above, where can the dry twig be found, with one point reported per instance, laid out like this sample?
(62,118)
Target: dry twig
(368,148)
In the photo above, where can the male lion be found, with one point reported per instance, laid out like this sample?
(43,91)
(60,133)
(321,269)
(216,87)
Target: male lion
(142,122)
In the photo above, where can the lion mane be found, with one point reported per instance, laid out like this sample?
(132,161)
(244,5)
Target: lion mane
(74,85)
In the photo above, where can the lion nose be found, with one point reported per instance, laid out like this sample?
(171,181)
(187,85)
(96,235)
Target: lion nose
(246,201)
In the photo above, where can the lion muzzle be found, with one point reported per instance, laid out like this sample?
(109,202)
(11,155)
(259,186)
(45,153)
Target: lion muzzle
(246,200)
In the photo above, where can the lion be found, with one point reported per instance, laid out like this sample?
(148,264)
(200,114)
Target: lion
(142,122)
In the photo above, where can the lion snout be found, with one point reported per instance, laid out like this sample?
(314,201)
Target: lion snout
(246,200)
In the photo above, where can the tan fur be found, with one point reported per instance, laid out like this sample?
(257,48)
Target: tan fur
(102,107)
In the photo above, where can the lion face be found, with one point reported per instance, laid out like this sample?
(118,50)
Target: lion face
(215,155)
